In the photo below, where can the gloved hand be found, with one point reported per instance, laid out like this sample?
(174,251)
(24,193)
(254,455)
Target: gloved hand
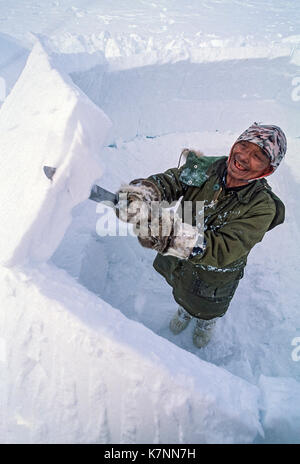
(135,200)
(183,239)
(169,236)
(158,228)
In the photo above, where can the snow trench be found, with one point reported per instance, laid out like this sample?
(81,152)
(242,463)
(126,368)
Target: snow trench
(86,355)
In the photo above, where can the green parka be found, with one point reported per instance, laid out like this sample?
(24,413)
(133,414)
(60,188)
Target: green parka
(234,222)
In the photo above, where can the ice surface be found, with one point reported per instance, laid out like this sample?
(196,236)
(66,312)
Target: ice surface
(46,120)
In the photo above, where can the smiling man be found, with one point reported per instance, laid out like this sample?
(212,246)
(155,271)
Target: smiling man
(239,208)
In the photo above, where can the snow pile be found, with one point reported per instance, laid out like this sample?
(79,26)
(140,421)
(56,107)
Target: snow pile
(133,50)
(45,120)
(138,33)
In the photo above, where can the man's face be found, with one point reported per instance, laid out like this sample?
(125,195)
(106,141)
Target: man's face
(247,162)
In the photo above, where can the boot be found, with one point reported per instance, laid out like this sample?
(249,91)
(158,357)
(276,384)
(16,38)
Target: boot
(203,332)
(180,320)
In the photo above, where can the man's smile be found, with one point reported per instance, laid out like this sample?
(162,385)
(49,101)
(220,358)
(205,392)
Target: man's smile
(238,165)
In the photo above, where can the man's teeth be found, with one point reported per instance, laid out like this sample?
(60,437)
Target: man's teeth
(239,166)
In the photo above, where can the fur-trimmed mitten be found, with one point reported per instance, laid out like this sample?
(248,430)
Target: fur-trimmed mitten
(135,200)
(171,237)
(183,239)
(158,228)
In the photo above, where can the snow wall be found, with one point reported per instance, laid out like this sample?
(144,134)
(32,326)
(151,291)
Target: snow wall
(193,94)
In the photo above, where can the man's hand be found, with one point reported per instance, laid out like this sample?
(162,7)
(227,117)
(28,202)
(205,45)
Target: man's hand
(183,239)
(135,200)
(168,235)
(156,227)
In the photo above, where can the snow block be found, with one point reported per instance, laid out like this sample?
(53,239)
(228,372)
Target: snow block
(46,120)
(76,370)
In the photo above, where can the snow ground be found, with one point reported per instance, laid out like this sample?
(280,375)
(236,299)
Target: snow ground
(187,79)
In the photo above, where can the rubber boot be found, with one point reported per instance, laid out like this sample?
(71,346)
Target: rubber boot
(180,320)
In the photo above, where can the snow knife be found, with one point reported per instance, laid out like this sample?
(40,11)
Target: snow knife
(99,194)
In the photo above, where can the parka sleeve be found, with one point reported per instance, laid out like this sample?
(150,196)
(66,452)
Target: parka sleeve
(235,239)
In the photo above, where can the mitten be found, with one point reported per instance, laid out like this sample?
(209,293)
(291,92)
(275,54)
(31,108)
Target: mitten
(182,240)
(169,236)
(135,200)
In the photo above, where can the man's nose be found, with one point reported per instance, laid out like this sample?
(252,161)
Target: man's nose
(244,156)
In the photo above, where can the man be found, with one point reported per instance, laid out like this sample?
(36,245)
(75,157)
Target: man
(239,208)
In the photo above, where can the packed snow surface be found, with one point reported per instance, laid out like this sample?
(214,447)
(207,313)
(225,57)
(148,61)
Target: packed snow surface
(111,91)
